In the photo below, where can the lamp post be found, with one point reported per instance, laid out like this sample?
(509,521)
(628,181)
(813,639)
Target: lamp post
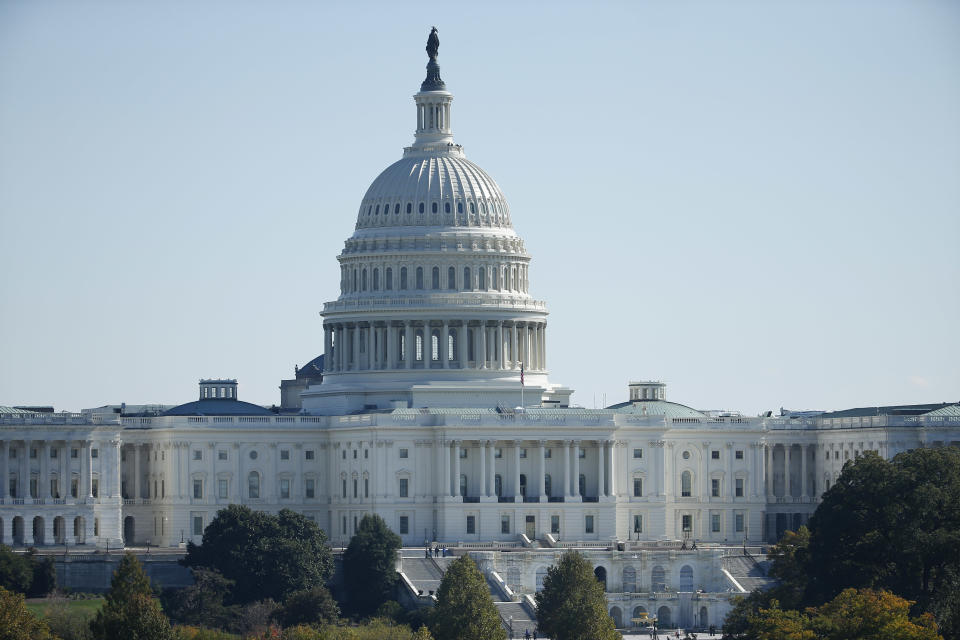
(510,625)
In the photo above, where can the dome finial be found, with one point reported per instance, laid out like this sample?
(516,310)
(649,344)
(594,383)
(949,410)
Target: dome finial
(433,81)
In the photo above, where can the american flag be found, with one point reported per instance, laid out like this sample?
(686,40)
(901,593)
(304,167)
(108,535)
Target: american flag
(521,374)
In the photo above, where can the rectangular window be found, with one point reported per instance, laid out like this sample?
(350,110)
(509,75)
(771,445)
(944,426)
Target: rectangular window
(588,524)
(638,453)
(285,454)
(638,487)
(738,488)
(222,454)
(308,454)
(355,488)
(582,453)
(498,452)
(638,523)
(309,487)
(404,453)
(404,488)
(344,488)
(366,487)
(404,525)
(94,453)
(198,489)
(34,492)
(686,522)
(33,454)
(471,524)
(715,487)
(96,488)
(366,454)
(13,487)
(222,488)
(738,522)
(739,455)
(284,487)
(548,453)
(523,453)
(55,488)
(197,454)
(253,485)
(197,525)
(354,454)
(53,453)
(75,453)
(74,488)
(504,523)
(714,455)
(463,454)
(715,522)
(554,524)
(343,454)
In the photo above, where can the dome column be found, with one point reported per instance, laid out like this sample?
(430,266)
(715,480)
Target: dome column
(369,336)
(355,346)
(427,345)
(445,345)
(482,352)
(500,360)
(408,345)
(513,346)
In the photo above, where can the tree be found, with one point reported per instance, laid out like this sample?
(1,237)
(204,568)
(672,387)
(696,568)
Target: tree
(129,611)
(16,623)
(789,558)
(465,610)
(44,578)
(778,624)
(572,604)
(369,565)
(267,556)
(202,602)
(892,525)
(16,570)
(307,607)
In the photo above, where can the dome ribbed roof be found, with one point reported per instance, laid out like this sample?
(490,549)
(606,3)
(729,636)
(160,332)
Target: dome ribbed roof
(447,180)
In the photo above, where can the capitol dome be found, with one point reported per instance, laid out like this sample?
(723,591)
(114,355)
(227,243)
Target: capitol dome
(434,306)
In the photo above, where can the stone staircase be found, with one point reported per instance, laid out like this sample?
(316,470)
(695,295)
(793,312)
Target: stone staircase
(749,573)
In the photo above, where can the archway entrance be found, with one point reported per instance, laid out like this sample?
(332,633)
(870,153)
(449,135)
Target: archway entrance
(601,575)
(18,531)
(38,531)
(617,616)
(129,529)
(59,530)
(664,620)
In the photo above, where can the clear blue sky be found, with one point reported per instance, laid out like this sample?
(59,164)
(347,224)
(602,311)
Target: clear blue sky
(757,202)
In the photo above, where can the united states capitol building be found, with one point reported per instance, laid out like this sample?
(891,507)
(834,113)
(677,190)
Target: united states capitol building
(432,406)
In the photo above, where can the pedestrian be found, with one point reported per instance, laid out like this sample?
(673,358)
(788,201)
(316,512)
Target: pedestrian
(526,634)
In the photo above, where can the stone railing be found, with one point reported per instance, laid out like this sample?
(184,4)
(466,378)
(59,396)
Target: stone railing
(493,300)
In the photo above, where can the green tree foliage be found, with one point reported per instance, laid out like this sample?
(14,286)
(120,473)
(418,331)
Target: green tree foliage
(376,629)
(369,570)
(572,604)
(267,556)
(892,525)
(852,615)
(44,578)
(308,607)
(737,622)
(465,610)
(201,603)
(16,623)
(16,570)
(129,611)
(66,622)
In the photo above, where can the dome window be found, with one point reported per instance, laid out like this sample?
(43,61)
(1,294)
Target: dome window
(369,207)
(396,208)
(388,279)
(403,277)
(436,277)
(433,207)
(446,207)
(363,279)
(409,208)
(451,278)
(459,207)
(420,208)
(467,285)
(419,277)
(376,279)
(377,211)
(482,277)
(473,208)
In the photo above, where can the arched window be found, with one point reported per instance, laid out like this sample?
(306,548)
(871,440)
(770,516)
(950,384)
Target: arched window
(473,208)
(704,618)
(363,280)
(354,280)
(420,208)
(686,578)
(467,284)
(482,278)
(446,207)
(377,211)
(376,279)
(253,485)
(638,614)
(617,616)
(629,579)
(658,579)
(463,484)
(451,278)
(418,353)
(369,209)
(459,207)
(600,573)
(403,277)
(498,485)
(396,208)
(547,484)
(436,277)
(433,207)
(409,207)
(419,277)
(434,346)
(664,619)
(686,482)
(388,280)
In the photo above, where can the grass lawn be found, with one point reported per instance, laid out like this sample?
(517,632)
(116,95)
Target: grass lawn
(36,606)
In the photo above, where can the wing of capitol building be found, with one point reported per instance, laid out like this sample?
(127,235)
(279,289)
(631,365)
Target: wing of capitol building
(432,406)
